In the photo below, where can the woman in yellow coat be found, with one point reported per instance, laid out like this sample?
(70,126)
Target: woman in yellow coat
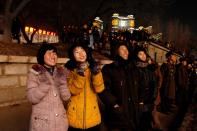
(84,81)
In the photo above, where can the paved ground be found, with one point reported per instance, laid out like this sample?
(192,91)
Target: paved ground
(15,118)
(190,119)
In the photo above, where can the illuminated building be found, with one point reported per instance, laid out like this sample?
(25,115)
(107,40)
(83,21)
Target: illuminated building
(122,23)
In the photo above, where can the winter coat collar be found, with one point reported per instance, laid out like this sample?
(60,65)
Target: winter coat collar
(39,69)
(141,64)
(50,70)
(119,61)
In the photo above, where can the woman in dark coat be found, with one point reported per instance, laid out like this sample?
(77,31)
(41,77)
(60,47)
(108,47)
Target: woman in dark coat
(143,88)
(117,100)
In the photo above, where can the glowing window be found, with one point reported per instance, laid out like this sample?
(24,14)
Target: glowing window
(123,23)
(132,23)
(115,22)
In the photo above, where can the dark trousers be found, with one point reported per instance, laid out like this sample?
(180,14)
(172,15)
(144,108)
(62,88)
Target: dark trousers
(118,129)
(95,128)
(145,121)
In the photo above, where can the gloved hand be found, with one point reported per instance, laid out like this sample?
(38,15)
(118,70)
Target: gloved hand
(95,68)
(118,113)
(80,71)
(81,68)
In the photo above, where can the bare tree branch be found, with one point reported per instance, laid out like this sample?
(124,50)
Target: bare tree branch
(8,5)
(19,8)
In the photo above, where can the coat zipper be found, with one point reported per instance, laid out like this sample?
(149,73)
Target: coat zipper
(84,109)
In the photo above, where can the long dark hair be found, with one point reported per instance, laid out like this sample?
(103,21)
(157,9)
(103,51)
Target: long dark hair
(136,51)
(72,63)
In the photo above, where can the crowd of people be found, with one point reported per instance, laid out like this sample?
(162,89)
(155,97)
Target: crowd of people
(125,95)
(104,40)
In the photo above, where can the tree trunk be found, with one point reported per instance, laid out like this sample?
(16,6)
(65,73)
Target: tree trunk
(32,35)
(7,35)
(8,17)
(23,23)
(24,34)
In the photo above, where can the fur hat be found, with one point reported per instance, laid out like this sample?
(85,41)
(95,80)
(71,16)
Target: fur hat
(43,49)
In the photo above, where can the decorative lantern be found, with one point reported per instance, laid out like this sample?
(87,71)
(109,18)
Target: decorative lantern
(48,32)
(31,29)
(44,32)
(40,31)
(26,29)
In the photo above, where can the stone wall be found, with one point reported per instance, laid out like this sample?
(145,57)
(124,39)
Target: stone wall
(157,53)
(13,76)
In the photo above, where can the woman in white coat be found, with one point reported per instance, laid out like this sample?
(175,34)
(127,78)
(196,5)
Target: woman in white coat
(46,90)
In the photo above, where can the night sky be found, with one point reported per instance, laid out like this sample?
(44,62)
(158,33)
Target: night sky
(77,11)
(185,10)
